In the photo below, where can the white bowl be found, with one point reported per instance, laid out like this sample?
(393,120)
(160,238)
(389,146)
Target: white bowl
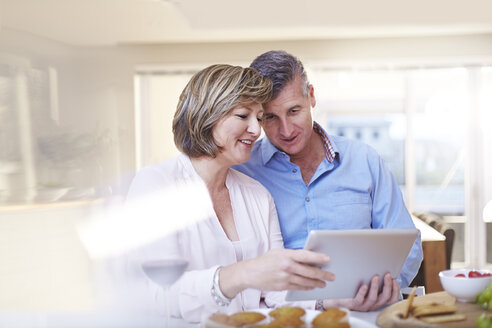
(465,289)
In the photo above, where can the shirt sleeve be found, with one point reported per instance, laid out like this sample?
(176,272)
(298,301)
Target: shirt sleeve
(389,212)
(190,297)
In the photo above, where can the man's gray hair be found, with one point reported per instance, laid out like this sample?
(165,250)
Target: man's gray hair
(282,68)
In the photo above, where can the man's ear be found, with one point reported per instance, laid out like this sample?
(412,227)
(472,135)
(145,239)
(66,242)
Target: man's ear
(312,99)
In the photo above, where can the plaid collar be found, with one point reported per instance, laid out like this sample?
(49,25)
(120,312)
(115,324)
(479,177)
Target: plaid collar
(268,150)
(330,152)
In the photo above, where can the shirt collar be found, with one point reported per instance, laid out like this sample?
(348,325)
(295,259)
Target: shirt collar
(329,148)
(268,150)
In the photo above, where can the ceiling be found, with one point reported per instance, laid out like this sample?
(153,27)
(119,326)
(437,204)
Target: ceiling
(110,22)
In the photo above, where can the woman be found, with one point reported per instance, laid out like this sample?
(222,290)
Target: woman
(235,250)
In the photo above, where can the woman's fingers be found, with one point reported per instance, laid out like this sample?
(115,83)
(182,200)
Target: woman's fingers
(307,283)
(288,269)
(311,272)
(304,261)
(309,257)
(278,269)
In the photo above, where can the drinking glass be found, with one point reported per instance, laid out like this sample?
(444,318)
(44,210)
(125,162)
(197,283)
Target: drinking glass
(165,272)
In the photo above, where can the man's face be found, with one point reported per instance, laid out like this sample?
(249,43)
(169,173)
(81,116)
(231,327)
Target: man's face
(287,119)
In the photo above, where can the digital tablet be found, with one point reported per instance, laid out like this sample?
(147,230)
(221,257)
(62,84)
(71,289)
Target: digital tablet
(355,257)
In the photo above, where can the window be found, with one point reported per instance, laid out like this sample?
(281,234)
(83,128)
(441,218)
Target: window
(157,98)
(424,122)
(485,117)
(367,106)
(440,108)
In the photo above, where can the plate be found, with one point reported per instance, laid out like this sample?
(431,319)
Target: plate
(311,314)
(358,323)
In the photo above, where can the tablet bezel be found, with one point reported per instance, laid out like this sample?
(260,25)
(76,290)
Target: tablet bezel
(355,257)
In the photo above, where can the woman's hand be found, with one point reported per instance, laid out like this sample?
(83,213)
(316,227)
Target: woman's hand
(368,298)
(278,269)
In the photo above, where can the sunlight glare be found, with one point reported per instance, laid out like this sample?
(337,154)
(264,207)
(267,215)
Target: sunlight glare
(146,219)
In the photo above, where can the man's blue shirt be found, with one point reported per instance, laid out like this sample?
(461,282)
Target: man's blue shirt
(355,191)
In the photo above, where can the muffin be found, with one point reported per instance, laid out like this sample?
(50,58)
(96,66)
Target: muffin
(287,311)
(331,318)
(239,319)
(245,318)
(332,324)
(287,316)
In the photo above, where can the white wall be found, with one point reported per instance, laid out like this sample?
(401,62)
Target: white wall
(43,266)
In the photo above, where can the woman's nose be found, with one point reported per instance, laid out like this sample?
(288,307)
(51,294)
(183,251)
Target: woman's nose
(254,127)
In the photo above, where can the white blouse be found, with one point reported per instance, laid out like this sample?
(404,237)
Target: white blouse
(201,240)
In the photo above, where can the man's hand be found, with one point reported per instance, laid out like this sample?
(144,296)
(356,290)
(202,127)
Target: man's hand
(368,298)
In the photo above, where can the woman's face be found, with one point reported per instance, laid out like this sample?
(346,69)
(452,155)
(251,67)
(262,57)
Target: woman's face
(237,132)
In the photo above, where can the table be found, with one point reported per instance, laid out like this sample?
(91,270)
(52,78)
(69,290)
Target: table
(434,249)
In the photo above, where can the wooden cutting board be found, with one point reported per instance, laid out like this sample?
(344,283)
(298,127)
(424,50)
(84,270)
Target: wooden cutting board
(391,316)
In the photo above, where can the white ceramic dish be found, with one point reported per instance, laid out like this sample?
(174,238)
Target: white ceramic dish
(311,314)
(465,289)
(308,318)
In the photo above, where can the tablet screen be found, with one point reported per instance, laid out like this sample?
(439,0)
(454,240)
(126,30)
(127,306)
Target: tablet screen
(355,257)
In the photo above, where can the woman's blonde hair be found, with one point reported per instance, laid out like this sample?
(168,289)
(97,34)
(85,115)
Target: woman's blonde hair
(211,94)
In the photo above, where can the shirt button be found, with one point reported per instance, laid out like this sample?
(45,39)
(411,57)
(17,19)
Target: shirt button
(294,170)
(307,199)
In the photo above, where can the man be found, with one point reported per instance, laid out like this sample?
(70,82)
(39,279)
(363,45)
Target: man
(324,182)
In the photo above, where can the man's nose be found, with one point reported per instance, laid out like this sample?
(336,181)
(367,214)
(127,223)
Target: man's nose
(285,128)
